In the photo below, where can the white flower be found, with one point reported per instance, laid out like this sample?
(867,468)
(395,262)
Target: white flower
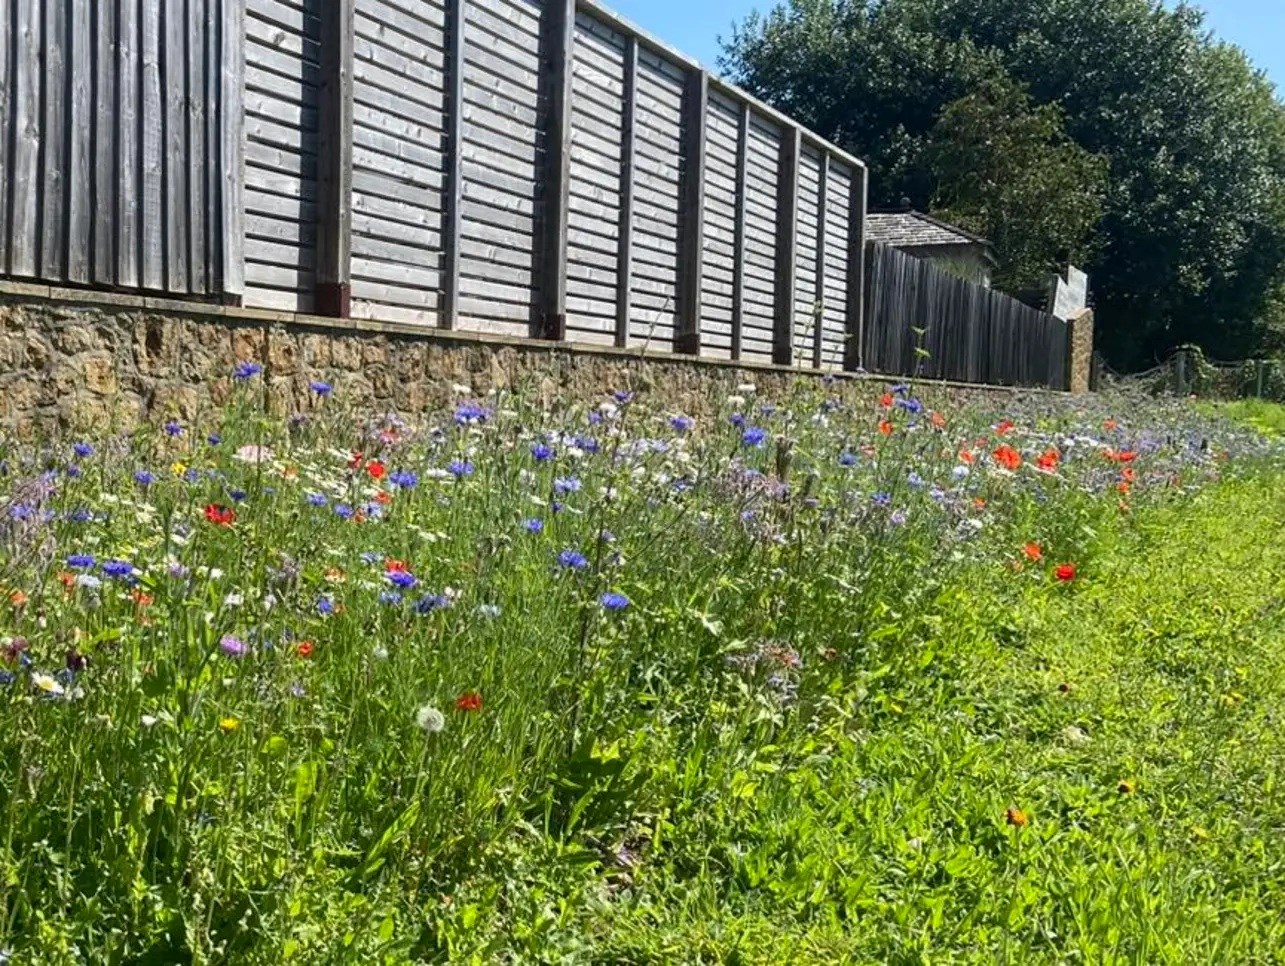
(47,684)
(380,653)
(148,720)
(88,580)
(461,390)
(233,600)
(252,453)
(1075,736)
(430,719)
(608,409)
(491,611)
(736,400)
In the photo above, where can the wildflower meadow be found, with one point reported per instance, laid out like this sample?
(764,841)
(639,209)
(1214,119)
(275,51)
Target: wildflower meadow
(838,676)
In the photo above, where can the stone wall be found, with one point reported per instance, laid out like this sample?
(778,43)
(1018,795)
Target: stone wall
(1080,356)
(87,361)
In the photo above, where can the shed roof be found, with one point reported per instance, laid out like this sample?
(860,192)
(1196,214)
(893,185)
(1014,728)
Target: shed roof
(914,229)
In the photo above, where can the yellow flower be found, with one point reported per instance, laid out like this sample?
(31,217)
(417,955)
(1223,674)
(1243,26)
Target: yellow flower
(1126,787)
(178,468)
(229,725)
(1199,834)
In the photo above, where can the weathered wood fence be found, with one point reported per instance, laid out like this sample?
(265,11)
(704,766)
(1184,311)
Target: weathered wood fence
(926,322)
(534,168)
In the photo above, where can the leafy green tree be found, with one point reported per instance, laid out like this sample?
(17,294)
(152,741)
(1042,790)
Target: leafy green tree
(1004,168)
(1191,245)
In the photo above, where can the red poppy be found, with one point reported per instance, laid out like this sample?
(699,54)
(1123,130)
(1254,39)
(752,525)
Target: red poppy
(469,701)
(1128,456)
(223,516)
(966,456)
(1008,457)
(885,400)
(1128,474)
(396,567)
(1004,428)
(68,580)
(939,421)
(1033,551)
(1048,460)
(304,649)
(376,469)
(383,497)
(885,427)
(1065,572)
(141,598)
(1124,486)
(979,503)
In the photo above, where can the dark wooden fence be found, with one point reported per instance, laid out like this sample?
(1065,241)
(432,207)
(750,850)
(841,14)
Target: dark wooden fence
(924,321)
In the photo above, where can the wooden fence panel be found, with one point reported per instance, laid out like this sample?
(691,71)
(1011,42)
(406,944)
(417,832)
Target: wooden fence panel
(762,164)
(595,194)
(807,292)
(835,265)
(399,82)
(968,332)
(722,149)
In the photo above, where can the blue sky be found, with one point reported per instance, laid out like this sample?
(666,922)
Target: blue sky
(693,26)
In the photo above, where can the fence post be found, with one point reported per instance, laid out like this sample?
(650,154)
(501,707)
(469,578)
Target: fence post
(230,182)
(1260,375)
(691,219)
(334,160)
(557,39)
(854,323)
(625,225)
(787,216)
(452,164)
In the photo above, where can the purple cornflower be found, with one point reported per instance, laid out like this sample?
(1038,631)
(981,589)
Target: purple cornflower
(246,370)
(232,646)
(316,499)
(595,418)
(144,477)
(21,511)
(469,413)
(400,578)
(460,468)
(572,560)
(431,602)
(82,450)
(566,484)
(173,428)
(898,518)
(915,480)
(681,424)
(613,601)
(321,388)
(882,499)
(403,479)
(533,526)
(754,436)
(737,420)
(118,569)
(542,452)
(623,396)
(214,439)
(344,511)
(191,475)
(81,561)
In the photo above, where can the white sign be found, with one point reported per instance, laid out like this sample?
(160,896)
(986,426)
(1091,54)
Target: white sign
(1071,294)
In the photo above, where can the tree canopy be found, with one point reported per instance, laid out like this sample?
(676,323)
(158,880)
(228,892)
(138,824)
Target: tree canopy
(1119,134)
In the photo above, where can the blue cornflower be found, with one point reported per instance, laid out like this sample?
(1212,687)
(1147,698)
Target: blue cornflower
(316,499)
(606,536)
(898,518)
(173,428)
(566,484)
(73,471)
(572,560)
(882,499)
(847,459)
(557,506)
(466,414)
(344,511)
(404,479)
(214,439)
(191,475)
(681,424)
(754,436)
(542,452)
(82,450)
(325,606)
(460,468)
(431,602)
(533,526)
(321,388)
(595,418)
(371,557)
(238,496)
(144,478)
(400,578)
(915,480)
(588,444)
(767,409)
(911,405)
(246,370)
(623,396)
(81,561)
(80,515)
(391,598)
(21,511)
(737,420)
(960,472)
(118,569)
(613,601)
(900,389)
(7,677)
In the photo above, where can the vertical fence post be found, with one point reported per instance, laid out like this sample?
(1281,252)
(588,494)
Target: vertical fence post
(1260,375)
(452,174)
(557,39)
(738,231)
(691,219)
(787,217)
(230,181)
(823,199)
(625,228)
(334,160)
(854,334)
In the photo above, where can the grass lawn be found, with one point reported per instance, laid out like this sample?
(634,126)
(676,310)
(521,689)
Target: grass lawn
(828,678)
(1266,417)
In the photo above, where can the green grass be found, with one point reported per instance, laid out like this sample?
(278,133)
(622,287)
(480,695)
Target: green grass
(1266,417)
(801,734)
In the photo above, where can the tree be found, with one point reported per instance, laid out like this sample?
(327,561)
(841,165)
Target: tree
(1004,168)
(1191,245)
